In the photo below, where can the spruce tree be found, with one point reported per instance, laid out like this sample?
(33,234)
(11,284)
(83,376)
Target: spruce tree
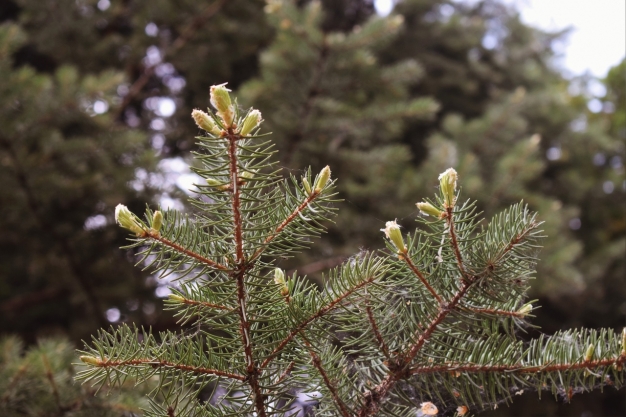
(429,324)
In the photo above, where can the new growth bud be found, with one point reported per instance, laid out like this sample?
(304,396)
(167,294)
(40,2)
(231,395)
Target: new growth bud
(322,179)
(526,308)
(157,221)
(306,185)
(392,231)
(247,175)
(279,279)
(430,210)
(624,341)
(447,185)
(91,360)
(220,99)
(251,122)
(205,122)
(177,298)
(589,353)
(128,220)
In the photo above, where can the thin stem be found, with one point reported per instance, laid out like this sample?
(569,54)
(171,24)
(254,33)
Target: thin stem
(497,312)
(455,243)
(322,311)
(178,248)
(317,363)
(379,337)
(156,363)
(239,275)
(405,257)
(620,360)
(284,224)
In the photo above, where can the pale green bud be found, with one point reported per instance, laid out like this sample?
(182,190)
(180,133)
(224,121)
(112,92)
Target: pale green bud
(322,179)
(252,120)
(220,99)
(279,279)
(306,185)
(624,341)
(447,184)
(127,220)
(91,360)
(177,298)
(205,122)
(526,308)
(247,175)
(212,182)
(392,231)
(589,353)
(157,221)
(429,210)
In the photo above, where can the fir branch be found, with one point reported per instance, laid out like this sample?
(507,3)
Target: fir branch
(158,363)
(405,257)
(496,312)
(320,313)
(178,248)
(455,243)
(379,337)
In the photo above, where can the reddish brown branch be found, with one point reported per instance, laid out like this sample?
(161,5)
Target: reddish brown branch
(405,257)
(379,337)
(286,373)
(203,304)
(620,360)
(455,243)
(497,312)
(330,306)
(284,224)
(108,363)
(178,248)
(317,363)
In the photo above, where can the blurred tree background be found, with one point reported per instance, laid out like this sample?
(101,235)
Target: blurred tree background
(95,98)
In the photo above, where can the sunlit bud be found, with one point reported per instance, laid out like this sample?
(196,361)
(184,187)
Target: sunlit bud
(429,409)
(220,99)
(392,231)
(525,309)
(624,341)
(429,210)
(252,120)
(177,298)
(322,179)
(212,182)
(91,360)
(279,279)
(127,220)
(247,175)
(306,185)
(157,220)
(535,139)
(462,410)
(205,122)
(589,353)
(447,184)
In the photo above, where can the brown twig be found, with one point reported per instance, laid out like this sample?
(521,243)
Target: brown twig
(187,34)
(455,243)
(405,257)
(178,248)
(379,337)
(157,363)
(496,312)
(203,304)
(322,311)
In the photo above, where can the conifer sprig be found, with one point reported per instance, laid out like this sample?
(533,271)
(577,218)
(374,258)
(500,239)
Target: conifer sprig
(430,324)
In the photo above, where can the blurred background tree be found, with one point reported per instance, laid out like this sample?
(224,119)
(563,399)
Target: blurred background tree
(96,97)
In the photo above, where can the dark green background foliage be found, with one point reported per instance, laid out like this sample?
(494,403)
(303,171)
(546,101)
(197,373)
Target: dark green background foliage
(388,103)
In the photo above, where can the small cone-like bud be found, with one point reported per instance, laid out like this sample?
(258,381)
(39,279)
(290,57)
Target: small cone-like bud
(525,309)
(176,297)
(322,179)
(205,122)
(157,221)
(220,99)
(429,210)
(127,220)
(279,279)
(462,410)
(393,233)
(306,185)
(447,184)
(589,353)
(429,409)
(91,360)
(212,182)
(251,122)
(247,175)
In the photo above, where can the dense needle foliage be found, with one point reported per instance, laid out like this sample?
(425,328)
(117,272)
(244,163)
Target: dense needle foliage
(430,324)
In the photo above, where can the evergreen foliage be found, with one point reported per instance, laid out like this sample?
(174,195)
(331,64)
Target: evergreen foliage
(430,324)
(40,382)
